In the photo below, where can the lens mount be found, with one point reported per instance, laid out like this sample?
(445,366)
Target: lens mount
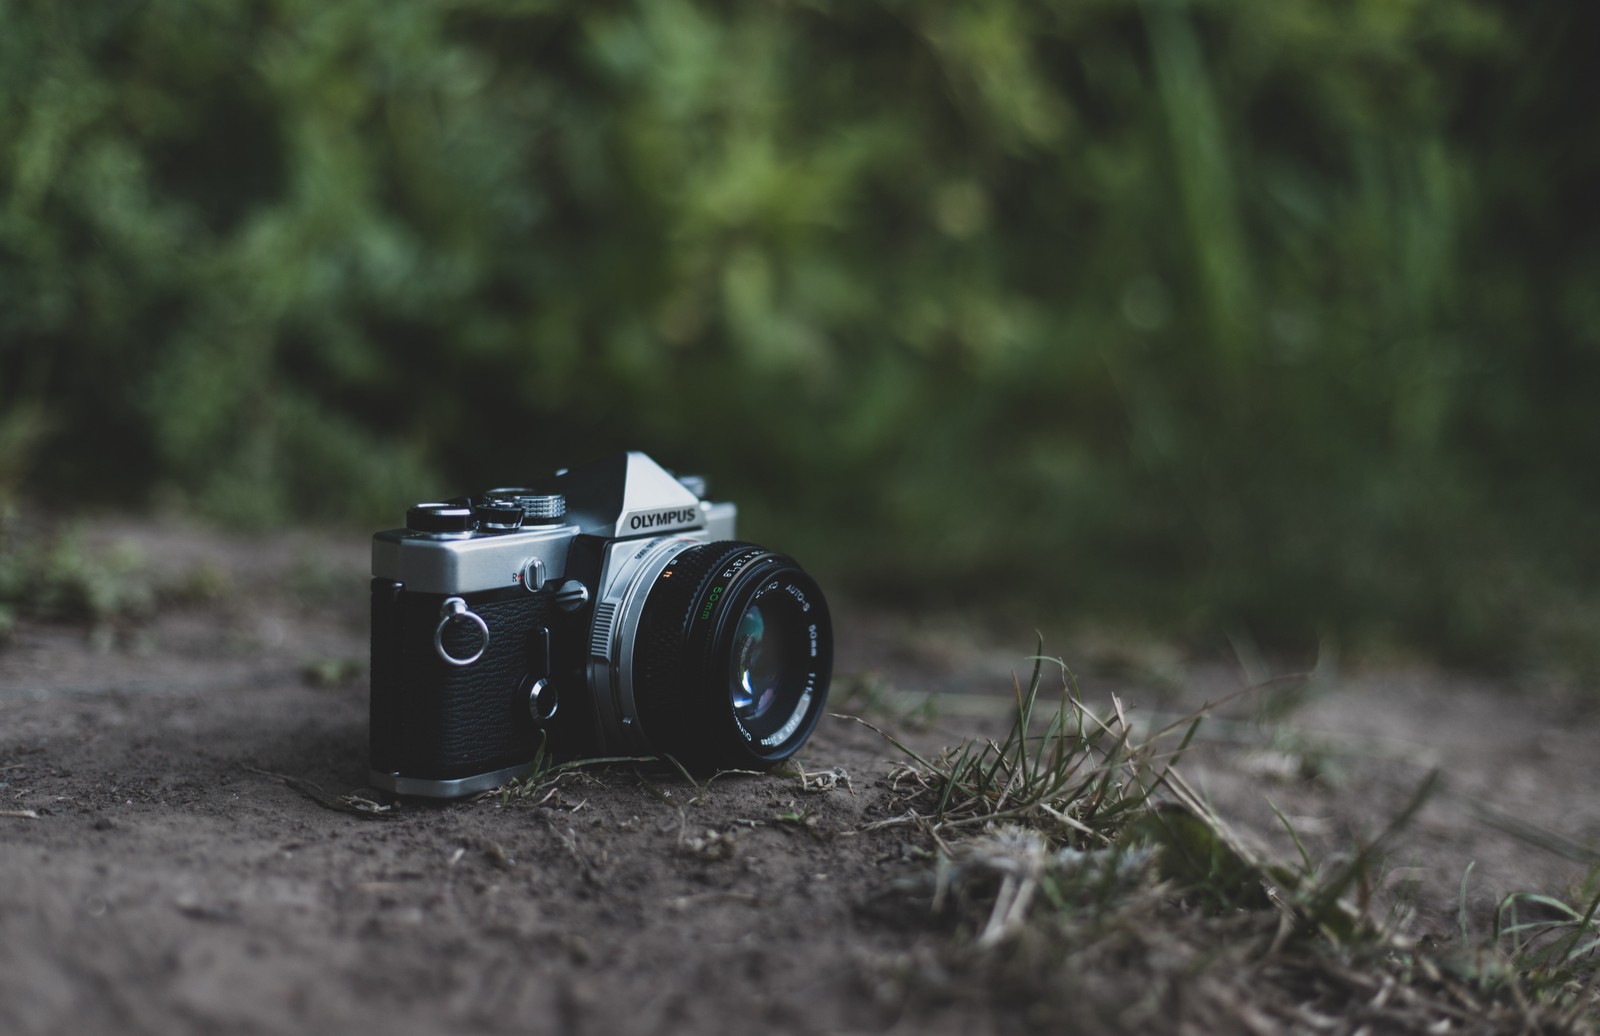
(732,657)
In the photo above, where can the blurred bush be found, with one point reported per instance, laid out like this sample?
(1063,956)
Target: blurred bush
(1274,316)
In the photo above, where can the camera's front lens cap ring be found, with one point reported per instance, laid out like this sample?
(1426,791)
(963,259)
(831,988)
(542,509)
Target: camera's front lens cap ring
(454,609)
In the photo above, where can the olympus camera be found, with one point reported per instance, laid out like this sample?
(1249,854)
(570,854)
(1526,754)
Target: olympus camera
(604,611)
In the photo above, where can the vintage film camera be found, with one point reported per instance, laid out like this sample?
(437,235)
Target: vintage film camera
(605,611)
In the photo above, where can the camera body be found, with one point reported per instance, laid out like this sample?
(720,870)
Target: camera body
(604,611)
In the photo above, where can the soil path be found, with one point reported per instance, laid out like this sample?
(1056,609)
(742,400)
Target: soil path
(172,859)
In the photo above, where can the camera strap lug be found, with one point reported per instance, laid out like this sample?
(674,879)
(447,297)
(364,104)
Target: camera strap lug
(453,609)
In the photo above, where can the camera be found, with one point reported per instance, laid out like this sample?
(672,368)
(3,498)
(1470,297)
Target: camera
(604,611)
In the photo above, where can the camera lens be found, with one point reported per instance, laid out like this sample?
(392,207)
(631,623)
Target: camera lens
(731,657)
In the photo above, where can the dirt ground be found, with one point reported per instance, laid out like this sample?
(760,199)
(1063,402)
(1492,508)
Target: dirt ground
(166,865)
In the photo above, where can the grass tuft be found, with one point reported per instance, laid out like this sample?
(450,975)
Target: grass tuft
(542,780)
(1553,948)
(1073,848)
(1079,783)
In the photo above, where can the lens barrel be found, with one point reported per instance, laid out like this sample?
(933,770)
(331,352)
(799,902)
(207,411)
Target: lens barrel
(732,657)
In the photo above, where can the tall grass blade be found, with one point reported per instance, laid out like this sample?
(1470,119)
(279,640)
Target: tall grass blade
(1461,909)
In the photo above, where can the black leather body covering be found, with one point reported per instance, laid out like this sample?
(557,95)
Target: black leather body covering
(436,721)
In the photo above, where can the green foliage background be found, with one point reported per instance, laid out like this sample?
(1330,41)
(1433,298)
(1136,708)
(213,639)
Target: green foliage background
(1272,316)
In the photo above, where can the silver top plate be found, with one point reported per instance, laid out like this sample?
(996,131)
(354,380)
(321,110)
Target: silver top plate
(626,496)
(467,564)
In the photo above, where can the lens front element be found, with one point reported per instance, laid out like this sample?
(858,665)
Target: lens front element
(757,664)
(771,676)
